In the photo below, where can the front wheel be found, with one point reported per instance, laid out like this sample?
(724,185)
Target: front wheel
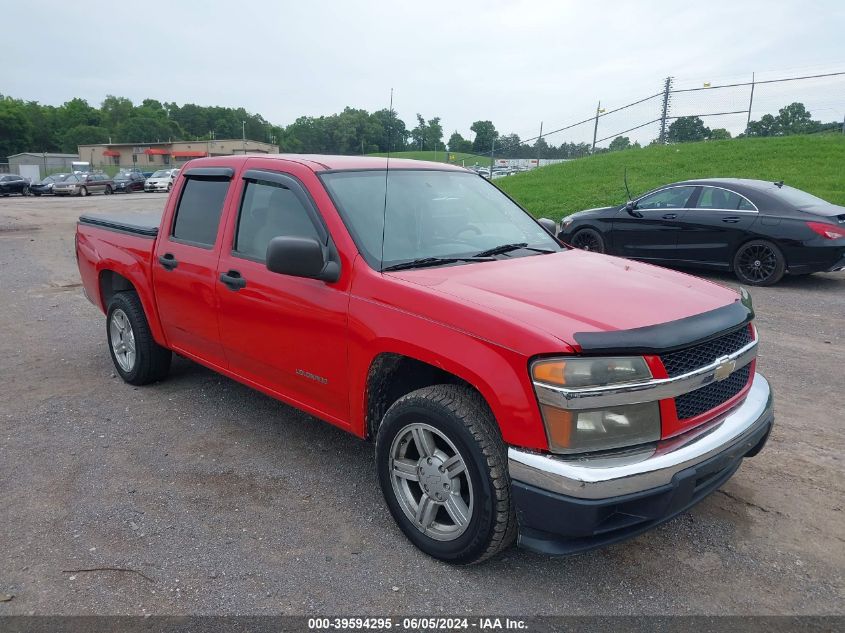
(26,191)
(442,468)
(137,357)
(108,191)
(759,263)
(588,240)
(83,191)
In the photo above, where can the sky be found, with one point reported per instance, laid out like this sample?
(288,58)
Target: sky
(514,62)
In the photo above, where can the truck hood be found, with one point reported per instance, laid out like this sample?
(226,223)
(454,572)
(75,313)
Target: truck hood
(574,291)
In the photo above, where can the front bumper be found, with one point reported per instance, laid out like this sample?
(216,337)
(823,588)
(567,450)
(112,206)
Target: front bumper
(567,505)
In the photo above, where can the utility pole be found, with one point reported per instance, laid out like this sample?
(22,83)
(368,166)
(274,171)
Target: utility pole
(540,147)
(243,136)
(664,113)
(596,127)
(750,102)
(492,159)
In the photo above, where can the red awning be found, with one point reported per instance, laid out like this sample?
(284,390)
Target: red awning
(111,152)
(156,151)
(189,154)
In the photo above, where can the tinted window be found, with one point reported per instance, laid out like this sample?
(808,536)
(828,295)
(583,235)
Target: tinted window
(198,213)
(714,198)
(270,210)
(673,198)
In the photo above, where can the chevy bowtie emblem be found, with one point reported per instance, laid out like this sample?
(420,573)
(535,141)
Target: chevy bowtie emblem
(724,369)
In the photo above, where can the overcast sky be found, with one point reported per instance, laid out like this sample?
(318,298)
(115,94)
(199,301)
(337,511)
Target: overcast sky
(516,63)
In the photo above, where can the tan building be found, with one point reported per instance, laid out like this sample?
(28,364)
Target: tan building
(150,156)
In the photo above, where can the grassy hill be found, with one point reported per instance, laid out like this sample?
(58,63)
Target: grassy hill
(813,163)
(442,157)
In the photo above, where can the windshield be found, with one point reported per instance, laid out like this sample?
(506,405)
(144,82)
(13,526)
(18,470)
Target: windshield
(797,198)
(161,173)
(430,213)
(71,179)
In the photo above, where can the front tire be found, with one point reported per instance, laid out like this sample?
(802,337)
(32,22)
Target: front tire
(108,191)
(759,263)
(136,356)
(588,240)
(83,191)
(442,468)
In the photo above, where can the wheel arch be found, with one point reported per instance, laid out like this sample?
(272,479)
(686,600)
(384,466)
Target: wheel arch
(112,279)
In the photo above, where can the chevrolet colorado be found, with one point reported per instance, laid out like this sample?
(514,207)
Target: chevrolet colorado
(514,388)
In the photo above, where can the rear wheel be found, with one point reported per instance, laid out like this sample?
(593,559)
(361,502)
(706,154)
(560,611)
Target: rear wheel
(759,263)
(26,191)
(442,467)
(137,357)
(108,191)
(588,240)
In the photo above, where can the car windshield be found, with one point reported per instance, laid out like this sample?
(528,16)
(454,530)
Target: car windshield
(431,214)
(797,198)
(161,173)
(71,179)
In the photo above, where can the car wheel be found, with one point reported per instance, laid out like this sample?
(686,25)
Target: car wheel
(136,356)
(83,191)
(588,240)
(169,187)
(108,191)
(759,263)
(442,468)
(25,191)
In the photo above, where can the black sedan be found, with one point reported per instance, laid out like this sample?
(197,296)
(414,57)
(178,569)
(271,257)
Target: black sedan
(127,182)
(759,230)
(45,185)
(10,183)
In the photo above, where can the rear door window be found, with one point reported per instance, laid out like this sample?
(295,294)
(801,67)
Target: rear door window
(672,198)
(716,198)
(199,210)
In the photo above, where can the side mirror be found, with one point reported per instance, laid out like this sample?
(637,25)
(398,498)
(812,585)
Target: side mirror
(549,225)
(301,257)
(631,208)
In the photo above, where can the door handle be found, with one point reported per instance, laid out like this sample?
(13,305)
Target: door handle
(233,280)
(731,219)
(167,261)
(670,216)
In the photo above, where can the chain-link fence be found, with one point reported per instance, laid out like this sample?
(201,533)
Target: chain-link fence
(730,107)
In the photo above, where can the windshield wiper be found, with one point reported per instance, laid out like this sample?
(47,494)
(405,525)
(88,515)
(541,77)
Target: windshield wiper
(507,248)
(435,261)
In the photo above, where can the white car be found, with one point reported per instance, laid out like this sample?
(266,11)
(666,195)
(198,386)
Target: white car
(161,180)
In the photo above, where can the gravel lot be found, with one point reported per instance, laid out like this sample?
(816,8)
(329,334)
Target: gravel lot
(220,500)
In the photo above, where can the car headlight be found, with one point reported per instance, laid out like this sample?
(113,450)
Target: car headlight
(581,430)
(566,221)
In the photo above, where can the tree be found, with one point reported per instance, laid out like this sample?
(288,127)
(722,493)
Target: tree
(485,135)
(115,110)
(766,126)
(619,143)
(719,134)
(83,135)
(509,145)
(458,143)
(435,132)
(15,128)
(794,119)
(393,134)
(687,129)
(140,129)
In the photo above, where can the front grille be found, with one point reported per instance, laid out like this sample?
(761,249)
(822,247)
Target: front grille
(692,358)
(711,396)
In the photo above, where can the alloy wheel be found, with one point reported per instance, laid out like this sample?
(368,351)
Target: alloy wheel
(757,262)
(431,483)
(122,340)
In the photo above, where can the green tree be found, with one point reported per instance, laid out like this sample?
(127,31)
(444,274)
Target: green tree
(766,126)
(619,143)
(393,134)
(686,129)
(83,135)
(15,128)
(458,143)
(485,135)
(794,119)
(719,134)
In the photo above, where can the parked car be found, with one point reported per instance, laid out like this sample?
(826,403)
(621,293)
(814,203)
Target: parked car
(127,182)
(758,230)
(161,180)
(12,183)
(84,184)
(147,174)
(45,185)
(511,385)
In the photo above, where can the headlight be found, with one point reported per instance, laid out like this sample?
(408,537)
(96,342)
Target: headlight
(581,430)
(566,221)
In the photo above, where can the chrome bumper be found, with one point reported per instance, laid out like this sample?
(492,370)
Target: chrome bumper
(601,477)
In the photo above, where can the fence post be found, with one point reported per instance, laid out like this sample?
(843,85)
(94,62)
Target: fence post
(596,128)
(664,113)
(539,147)
(750,103)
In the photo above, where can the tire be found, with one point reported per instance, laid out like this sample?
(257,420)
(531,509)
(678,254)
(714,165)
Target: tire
(108,191)
(25,191)
(588,240)
(83,191)
(472,516)
(169,187)
(127,330)
(759,263)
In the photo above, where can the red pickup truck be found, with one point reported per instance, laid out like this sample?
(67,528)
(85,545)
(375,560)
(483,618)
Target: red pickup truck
(514,388)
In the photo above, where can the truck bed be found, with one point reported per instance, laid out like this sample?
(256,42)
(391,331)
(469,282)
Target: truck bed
(140,223)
